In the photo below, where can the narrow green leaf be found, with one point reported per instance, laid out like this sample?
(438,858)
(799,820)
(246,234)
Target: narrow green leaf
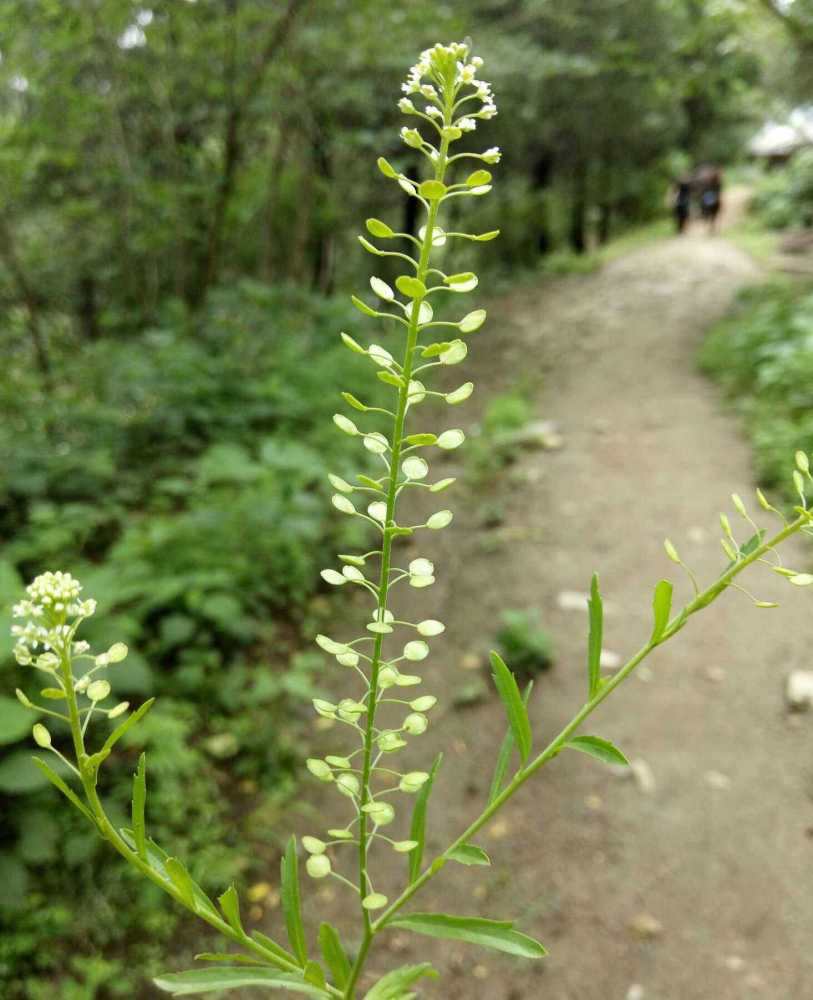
(334,955)
(230,905)
(417,830)
(496,934)
(753,543)
(599,748)
(392,986)
(314,974)
(596,610)
(231,978)
(661,609)
(182,880)
(128,724)
(225,956)
(270,945)
(291,904)
(139,803)
(504,756)
(469,854)
(515,709)
(66,790)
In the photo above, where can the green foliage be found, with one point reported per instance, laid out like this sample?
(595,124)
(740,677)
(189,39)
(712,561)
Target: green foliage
(524,644)
(762,354)
(784,197)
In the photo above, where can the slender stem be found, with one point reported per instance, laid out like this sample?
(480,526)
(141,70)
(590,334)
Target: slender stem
(702,600)
(384,577)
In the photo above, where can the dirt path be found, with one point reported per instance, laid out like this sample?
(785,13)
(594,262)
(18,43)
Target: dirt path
(698,887)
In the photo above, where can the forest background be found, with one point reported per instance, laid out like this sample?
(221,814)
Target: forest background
(181,186)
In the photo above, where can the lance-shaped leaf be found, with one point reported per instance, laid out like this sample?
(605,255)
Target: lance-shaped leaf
(226,956)
(270,945)
(504,756)
(66,790)
(392,986)
(661,609)
(334,955)
(128,724)
(190,891)
(514,706)
(596,611)
(291,904)
(417,829)
(314,974)
(139,803)
(496,934)
(599,748)
(469,854)
(230,905)
(198,981)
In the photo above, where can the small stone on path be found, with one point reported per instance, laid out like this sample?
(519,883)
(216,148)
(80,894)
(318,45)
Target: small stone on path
(643,775)
(646,926)
(799,690)
(635,992)
(715,674)
(717,780)
(471,661)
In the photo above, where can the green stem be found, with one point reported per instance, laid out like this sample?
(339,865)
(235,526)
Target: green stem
(702,600)
(386,556)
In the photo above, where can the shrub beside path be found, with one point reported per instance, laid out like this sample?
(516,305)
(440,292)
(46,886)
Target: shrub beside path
(689,880)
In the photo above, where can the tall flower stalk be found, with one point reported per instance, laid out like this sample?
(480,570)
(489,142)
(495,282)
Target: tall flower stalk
(451,101)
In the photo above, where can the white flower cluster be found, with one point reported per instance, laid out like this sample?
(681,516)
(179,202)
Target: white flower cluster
(451,70)
(53,598)
(54,611)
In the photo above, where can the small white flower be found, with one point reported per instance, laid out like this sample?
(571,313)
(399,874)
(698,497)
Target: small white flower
(466,124)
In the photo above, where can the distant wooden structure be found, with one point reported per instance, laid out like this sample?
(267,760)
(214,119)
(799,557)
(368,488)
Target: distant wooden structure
(777,142)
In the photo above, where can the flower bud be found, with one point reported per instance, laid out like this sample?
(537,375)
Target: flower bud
(416,650)
(118,710)
(318,865)
(313,845)
(440,519)
(324,708)
(41,735)
(341,834)
(98,690)
(348,659)
(415,724)
(374,901)
(117,652)
(412,137)
(340,762)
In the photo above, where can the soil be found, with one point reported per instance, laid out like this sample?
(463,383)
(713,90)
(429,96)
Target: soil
(689,880)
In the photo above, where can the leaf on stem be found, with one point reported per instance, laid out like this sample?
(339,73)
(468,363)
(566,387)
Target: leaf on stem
(334,955)
(596,610)
(314,974)
(599,748)
(128,724)
(661,609)
(496,934)
(417,830)
(230,905)
(392,986)
(231,978)
(270,945)
(515,708)
(66,790)
(182,880)
(139,803)
(504,756)
(291,904)
(469,854)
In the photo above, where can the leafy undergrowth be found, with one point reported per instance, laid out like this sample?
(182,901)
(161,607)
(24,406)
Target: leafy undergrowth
(762,355)
(180,474)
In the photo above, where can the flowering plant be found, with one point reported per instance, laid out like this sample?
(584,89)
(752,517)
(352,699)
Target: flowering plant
(451,101)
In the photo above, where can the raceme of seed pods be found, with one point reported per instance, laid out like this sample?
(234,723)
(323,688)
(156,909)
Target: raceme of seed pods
(382,660)
(450,99)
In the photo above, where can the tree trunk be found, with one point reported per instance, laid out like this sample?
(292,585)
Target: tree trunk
(578,211)
(29,300)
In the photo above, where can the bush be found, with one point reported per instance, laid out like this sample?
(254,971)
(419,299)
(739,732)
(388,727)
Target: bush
(763,356)
(785,198)
(180,472)
(524,644)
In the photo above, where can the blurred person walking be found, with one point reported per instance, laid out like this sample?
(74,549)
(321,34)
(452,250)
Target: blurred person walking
(681,202)
(711,188)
